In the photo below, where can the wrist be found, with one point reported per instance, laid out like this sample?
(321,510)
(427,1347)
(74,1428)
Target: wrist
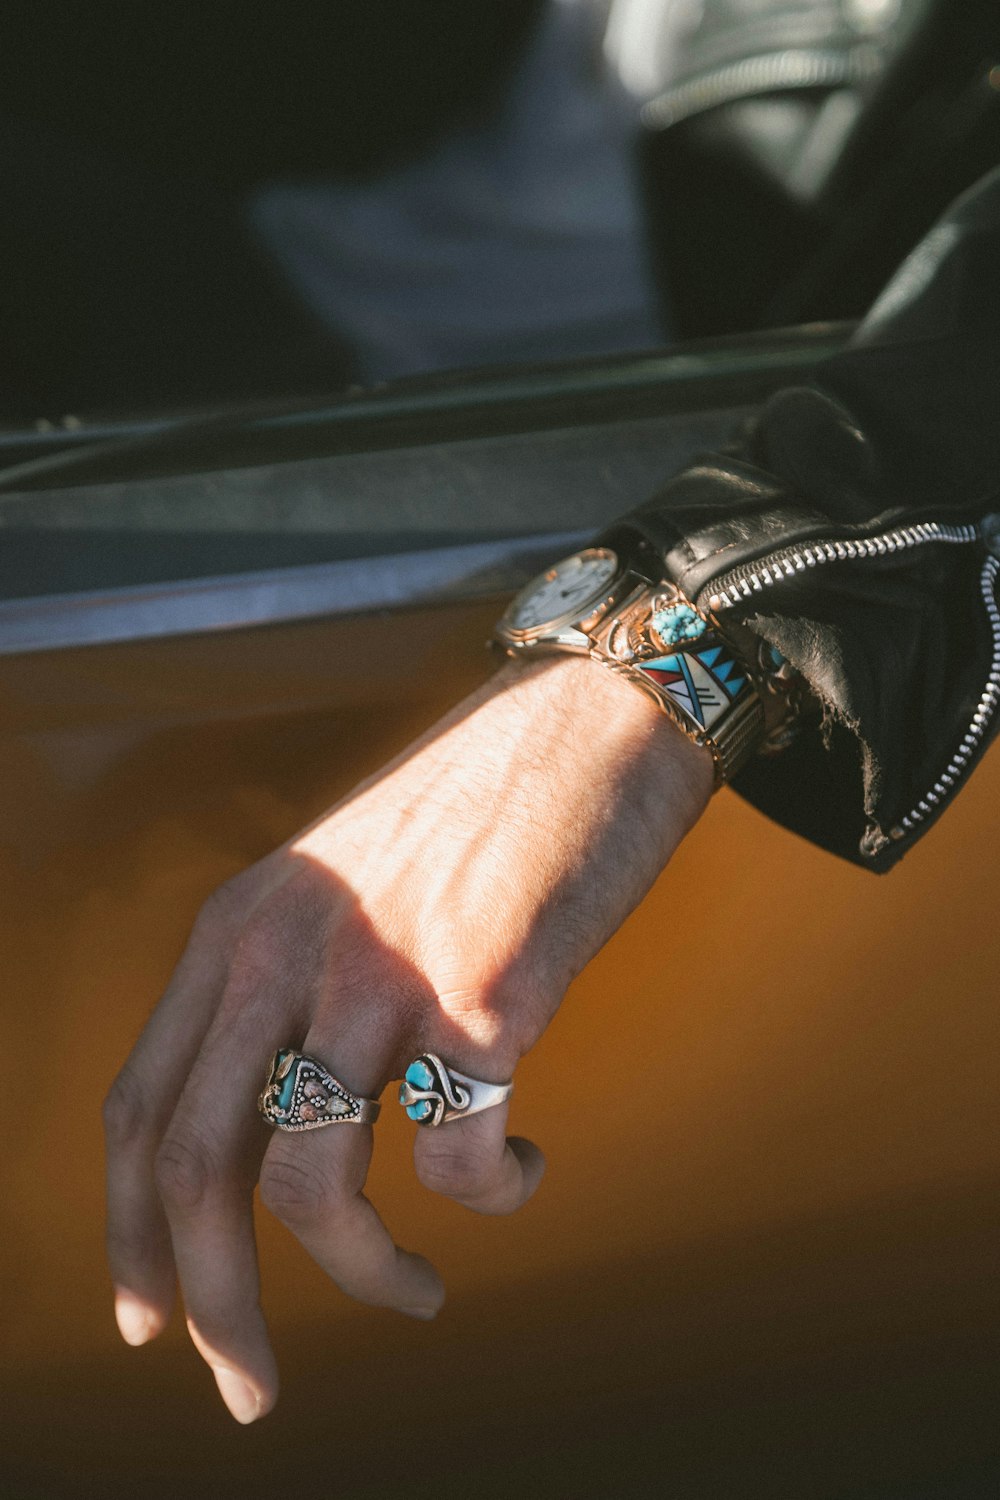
(609,720)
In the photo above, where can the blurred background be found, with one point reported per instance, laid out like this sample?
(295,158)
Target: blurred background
(257,519)
(206,203)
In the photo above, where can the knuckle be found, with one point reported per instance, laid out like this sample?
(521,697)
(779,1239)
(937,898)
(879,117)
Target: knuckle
(456,1171)
(226,907)
(502,1011)
(282,928)
(520,1001)
(292,1189)
(125,1113)
(185,1172)
(261,947)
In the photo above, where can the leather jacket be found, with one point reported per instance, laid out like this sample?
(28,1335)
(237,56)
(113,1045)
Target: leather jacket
(854,526)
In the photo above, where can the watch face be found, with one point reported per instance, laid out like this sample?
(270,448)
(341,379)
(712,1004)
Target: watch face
(566,590)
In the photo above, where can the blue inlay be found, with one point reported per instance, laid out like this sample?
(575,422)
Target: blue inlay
(663,664)
(287,1086)
(723,672)
(710,657)
(419,1074)
(735,687)
(695,707)
(420,1110)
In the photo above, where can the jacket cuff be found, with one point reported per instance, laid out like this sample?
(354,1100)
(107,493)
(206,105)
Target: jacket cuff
(849,526)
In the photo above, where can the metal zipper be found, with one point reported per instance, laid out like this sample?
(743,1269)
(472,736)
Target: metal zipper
(958,767)
(743,583)
(769,73)
(740,583)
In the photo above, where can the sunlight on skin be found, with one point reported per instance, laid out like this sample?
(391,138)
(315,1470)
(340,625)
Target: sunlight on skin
(244,1400)
(444,906)
(137,1321)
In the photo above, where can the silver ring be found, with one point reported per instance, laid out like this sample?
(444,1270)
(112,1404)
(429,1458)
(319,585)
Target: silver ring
(432,1094)
(301,1095)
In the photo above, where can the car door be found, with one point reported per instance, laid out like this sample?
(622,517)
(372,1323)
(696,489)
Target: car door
(763,1259)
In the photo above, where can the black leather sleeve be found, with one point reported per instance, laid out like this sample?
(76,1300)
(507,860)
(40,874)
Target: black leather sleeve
(846,527)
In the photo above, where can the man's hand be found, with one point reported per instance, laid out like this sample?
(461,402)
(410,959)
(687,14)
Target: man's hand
(444,906)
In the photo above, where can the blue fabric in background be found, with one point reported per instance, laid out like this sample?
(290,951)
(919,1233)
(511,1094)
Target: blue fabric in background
(518,240)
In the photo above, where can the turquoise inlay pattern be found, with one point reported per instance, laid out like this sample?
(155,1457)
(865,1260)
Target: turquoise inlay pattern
(721,670)
(420,1110)
(662,664)
(702,683)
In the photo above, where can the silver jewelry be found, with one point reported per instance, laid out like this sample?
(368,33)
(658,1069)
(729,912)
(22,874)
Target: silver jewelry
(433,1094)
(301,1095)
(596,604)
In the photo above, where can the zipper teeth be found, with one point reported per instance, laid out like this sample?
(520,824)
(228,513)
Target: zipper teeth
(792,560)
(979,725)
(734,588)
(795,68)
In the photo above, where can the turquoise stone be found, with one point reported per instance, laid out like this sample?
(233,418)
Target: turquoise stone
(419,1074)
(420,1110)
(287,1087)
(678,622)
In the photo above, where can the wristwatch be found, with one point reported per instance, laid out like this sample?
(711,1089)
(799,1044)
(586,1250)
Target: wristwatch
(594,604)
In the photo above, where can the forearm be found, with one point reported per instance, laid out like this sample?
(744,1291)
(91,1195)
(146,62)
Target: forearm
(548,802)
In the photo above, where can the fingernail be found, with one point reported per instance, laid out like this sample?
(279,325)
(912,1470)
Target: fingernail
(426,1314)
(135,1322)
(242,1400)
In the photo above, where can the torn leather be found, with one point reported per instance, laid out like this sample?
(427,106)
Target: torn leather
(901,428)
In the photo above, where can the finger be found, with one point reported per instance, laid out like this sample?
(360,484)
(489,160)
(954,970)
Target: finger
(471,1161)
(314,1182)
(206,1169)
(136,1110)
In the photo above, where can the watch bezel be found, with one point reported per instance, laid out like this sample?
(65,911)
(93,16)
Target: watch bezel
(580,612)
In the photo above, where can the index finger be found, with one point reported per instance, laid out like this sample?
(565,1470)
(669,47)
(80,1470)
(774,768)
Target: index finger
(136,1111)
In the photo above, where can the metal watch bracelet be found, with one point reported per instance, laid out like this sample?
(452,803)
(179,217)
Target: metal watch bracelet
(656,637)
(659,641)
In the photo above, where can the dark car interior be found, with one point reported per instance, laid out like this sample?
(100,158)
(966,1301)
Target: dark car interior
(809,144)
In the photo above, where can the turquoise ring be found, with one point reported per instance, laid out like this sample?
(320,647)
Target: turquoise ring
(301,1095)
(434,1094)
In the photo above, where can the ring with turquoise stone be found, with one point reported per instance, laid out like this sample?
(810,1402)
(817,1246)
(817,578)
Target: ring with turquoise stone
(301,1095)
(433,1094)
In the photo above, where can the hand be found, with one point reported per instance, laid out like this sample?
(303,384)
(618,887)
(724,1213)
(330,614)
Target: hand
(444,906)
